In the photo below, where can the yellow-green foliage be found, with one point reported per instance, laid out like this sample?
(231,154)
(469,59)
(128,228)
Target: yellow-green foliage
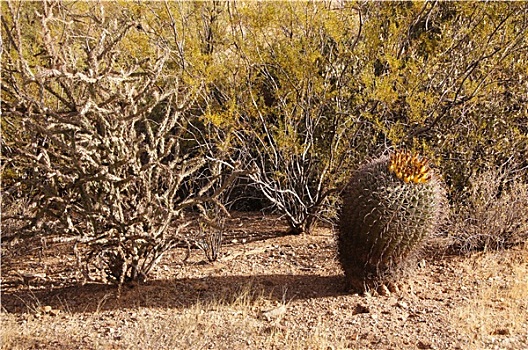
(447,78)
(443,78)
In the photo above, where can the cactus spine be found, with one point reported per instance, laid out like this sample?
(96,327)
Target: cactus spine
(389,206)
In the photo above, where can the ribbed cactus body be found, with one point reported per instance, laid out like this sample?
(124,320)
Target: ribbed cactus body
(389,206)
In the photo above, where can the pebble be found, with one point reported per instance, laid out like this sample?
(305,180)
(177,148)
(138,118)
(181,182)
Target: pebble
(403,305)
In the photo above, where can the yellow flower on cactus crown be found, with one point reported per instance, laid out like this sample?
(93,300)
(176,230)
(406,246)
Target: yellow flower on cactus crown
(409,167)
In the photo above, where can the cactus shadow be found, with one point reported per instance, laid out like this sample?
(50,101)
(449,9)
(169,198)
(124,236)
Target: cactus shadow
(179,293)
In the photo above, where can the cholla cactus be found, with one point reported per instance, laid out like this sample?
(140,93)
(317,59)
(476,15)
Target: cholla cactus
(389,206)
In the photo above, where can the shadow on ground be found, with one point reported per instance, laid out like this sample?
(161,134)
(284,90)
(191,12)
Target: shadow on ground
(175,293)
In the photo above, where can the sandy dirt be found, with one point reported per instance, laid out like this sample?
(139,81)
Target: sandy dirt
(296,292)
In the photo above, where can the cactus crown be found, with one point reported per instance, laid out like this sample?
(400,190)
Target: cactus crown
(409,167)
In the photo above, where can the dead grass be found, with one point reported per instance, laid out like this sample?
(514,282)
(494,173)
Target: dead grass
(281,292)
(497,313)
(234,322)
(8,331)
(493,214)
(12,207)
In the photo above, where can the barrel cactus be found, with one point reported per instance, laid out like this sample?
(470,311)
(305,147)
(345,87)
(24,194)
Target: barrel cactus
(389,206)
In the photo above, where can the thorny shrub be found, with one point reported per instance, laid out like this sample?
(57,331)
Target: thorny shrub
(493,213)
(105,146)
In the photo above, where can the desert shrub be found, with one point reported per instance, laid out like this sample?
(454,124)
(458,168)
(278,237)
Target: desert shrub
(302,92)
(448,79)
(289,104)
(13,206)
(109,153)
(312,91)
(492,214)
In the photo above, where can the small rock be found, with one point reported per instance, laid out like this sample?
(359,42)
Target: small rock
(424,345)
(384,291)
(402,304)
(275,313)
(30,275)
(46,309)
(501,331)
(54,312)
(361,309)
(403,317)
(27,277)
(393,288)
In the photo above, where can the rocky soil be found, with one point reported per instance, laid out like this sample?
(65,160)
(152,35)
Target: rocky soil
(267,291)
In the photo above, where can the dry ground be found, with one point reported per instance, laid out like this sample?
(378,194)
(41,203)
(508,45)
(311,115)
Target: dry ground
(267,291)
